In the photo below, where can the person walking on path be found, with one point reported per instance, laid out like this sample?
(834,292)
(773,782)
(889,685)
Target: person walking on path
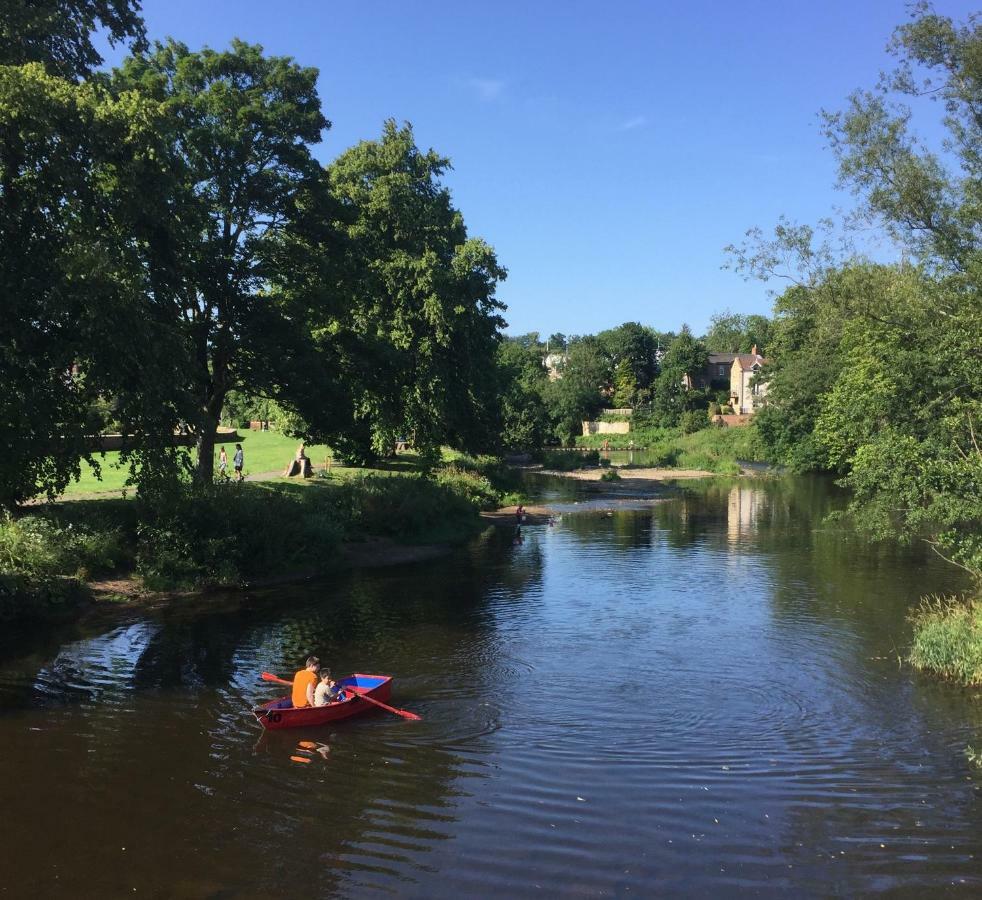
(238,460)
(223,464)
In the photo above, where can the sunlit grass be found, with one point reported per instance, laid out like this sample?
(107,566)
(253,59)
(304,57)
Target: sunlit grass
(265,452)
(948,638)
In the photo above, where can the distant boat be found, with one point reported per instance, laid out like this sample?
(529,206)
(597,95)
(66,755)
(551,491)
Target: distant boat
(281,713)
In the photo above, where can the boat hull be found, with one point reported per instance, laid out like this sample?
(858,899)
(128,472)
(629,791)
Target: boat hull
(281,713)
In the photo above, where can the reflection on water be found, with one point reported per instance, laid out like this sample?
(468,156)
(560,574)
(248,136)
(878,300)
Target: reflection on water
(698,695)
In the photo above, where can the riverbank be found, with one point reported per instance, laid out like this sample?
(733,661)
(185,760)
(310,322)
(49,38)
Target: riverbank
(58,556)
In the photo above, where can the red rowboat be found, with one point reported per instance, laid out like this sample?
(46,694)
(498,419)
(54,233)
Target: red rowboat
(281,713)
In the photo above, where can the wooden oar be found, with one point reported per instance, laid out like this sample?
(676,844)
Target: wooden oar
(358,692)
(405,713)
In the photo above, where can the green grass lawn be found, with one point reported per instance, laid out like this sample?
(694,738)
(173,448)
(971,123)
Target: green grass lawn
(265,451)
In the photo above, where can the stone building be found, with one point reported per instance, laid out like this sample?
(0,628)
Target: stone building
(746,392)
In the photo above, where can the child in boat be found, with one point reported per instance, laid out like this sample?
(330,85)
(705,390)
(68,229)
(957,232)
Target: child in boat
(327,691)
(304,682)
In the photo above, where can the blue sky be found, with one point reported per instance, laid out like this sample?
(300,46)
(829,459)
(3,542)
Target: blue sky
(608,151)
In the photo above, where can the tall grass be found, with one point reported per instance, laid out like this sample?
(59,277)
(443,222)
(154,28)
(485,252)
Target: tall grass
(948,638)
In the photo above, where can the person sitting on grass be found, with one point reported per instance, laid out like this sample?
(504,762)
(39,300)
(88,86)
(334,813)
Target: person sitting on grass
(304,682)
(327,691)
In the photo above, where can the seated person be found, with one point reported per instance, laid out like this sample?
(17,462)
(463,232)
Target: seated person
(327,691)
(304,682)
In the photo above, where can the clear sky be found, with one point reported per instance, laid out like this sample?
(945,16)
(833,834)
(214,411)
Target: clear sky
(608,151)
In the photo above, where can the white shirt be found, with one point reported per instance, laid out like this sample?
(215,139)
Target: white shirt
(323,694)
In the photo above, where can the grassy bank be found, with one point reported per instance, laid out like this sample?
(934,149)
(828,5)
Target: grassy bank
(948,638)
(265,451)
(229,534)
(711,449)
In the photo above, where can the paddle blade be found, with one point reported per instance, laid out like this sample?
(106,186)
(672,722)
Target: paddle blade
(269,676)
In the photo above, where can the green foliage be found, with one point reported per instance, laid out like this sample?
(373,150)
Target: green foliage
(23,598)
(223,534)
(610,475)
(78,323)
(232,158)
(948,638)
(59,34)
(28,547)
(420,325)
(693,420)
(575,396)
(522,380)
(673,393)
(630,353)
(735,333)
(413,506)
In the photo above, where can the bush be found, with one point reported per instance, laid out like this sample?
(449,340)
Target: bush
(223,534)
(22,597)
(29,546)
(610,475)
(948,638)
(693,420)
(410,506)
(475,487)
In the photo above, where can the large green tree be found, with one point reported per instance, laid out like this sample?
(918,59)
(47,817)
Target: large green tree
(674,393)
(736,333)
(421,324)
(235,196)
(630,350)
(578,393)
(878,369)
(78,322)
(522,380)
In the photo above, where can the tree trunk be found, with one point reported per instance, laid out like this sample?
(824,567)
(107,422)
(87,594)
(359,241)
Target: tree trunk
(205,448)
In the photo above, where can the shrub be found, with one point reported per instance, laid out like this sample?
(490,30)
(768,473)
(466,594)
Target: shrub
(475,487)
(408,506)
(22,597)
(610,475)
(693,420)
(948,638)
(29,546)
(222,535)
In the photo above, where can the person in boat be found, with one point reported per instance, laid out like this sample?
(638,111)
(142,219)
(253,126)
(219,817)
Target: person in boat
(327,691)
(304,683)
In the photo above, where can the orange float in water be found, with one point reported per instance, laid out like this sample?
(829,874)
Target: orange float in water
(300,759)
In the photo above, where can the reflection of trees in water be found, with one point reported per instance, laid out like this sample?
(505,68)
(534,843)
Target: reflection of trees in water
(620,529)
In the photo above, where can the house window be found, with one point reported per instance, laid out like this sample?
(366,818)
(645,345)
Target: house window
(720,371)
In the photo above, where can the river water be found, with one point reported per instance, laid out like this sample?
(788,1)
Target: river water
(698,695)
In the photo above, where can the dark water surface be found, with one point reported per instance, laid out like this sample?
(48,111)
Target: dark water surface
(698,696)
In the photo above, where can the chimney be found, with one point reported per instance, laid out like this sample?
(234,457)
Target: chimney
(753,350)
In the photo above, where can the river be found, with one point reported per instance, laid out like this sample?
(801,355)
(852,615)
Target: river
(697,695)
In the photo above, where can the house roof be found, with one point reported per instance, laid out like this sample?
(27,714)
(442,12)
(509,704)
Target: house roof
(749,360)
(716,358)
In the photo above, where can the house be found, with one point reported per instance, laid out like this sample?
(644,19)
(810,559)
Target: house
(746,391)
(554,363)
(717,372)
